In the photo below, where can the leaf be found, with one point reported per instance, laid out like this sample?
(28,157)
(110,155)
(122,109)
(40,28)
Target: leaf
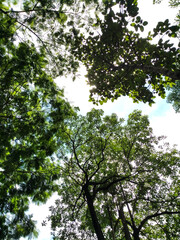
(145,23)
(62,18)
(174,29)
(141,28)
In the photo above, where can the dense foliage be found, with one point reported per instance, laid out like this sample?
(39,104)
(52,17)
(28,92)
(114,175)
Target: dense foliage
(121,62)
(32,110)
(104,36)
(44,39)
(117,181)
(174,96)
(51,25)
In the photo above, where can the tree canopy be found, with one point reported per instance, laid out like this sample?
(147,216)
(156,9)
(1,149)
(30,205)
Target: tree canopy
(41,40)
(122,63)
(32,110)
(104,36)
(117,181)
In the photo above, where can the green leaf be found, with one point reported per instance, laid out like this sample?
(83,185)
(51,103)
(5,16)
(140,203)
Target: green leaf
(62,18)
(145,23)
(141,28)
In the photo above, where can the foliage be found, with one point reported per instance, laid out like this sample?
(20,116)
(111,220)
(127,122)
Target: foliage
(174,96)
(32,110)
(104,35)
(121,62)
(51,25)
(172,3)
(117,181)
(42,38)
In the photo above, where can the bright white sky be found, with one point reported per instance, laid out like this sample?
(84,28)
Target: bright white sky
(163,118)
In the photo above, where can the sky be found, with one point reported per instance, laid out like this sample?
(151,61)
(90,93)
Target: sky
(163,118)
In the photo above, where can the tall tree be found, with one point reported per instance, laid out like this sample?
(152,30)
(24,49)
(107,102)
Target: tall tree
(32,110)
(117,181)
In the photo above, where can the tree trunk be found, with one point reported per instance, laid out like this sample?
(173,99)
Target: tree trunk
(136,235)
(125,226)
(92,211)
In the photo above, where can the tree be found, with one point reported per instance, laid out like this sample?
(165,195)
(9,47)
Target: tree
(117,181)
(103,35)
(32,110)
(39,39)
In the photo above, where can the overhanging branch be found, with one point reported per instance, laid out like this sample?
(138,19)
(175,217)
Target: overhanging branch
(155,215)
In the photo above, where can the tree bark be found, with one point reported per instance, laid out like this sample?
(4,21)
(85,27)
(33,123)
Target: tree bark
(92,211)
(125,226)
(136,235)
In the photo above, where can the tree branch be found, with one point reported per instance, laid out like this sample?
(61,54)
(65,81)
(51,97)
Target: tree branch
(77,160)
(102,159)
(155,215)
(108,185)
